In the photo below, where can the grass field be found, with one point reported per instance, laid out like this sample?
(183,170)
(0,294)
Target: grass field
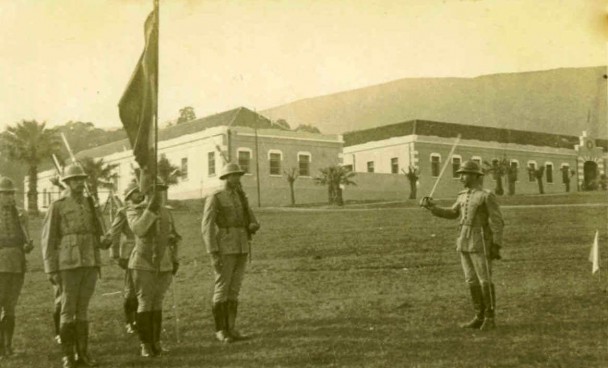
(376,287)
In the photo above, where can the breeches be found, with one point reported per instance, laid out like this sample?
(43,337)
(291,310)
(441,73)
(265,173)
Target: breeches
(228,282)
(150,287)
(10,288)
(77,287)
(129,289)
(477,269)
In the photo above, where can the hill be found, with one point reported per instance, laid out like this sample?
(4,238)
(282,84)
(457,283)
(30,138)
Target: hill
(562,101)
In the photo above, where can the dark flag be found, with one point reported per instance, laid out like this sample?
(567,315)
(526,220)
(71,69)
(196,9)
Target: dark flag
(138,105)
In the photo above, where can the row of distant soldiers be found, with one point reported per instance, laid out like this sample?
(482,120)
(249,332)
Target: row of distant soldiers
(144,242)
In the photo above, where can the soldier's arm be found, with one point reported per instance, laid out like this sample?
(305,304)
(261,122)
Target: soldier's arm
(140,220)
(448,213)
(175,239)
(115,232)
(22,215)
(50,239)
(495,219)
(208,229)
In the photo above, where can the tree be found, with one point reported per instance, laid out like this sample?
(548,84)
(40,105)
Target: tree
(101,175)
(538,174)
(498,168)
(335,177)
(168,172)
(291,175)
(307,128)
(412,175)
(567,173)
(282,124)
(186,114)
(30,142)
(512,172)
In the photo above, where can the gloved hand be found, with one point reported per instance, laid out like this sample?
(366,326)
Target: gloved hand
(427,202)
(216,262)
(105,242)
(175,268)
(495,252)
(29,246)
(123,263)
(154,204)
(54,278)
(254,227)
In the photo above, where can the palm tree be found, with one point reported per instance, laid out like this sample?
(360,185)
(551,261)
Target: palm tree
(291,176)
(335,177)
(412,174)
(168,172)
(498,168)
(30,142)
(101,175)
(538,174)
(512,172)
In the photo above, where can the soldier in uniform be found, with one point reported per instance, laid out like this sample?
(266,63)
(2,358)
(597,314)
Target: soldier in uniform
(152,264)
(123,242)
(14,243)
(479,240)
(227,226)
(71,242)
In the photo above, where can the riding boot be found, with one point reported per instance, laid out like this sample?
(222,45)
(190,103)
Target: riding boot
(219,315)
(130,307)
(157,327)
(56,322)
(144,330)
(66,331)
(478,306)
(2,352)
(8,328)
(82,345)
(489,300)
(232,308)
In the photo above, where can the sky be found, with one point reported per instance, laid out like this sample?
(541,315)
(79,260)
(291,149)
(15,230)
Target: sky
(63,60)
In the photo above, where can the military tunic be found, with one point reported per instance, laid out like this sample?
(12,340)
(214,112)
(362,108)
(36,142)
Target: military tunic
(123,243)
(225,230)
(12,258)
(155,252)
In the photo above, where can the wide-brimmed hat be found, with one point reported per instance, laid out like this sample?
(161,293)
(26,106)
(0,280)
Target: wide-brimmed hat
(471,167)
(73,171)
(231,168)
(131,188)
(7,185)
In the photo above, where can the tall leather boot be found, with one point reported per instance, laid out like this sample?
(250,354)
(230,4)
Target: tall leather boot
(66,331)
(219,315)
(8,328)
(82,345)
(130,308)
(56,322)
(2,352)
(144,330)
(489,300)
(157,327)
(232,309)
(478,306)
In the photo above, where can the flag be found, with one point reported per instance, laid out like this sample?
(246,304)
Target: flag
(138,105)
(594,256)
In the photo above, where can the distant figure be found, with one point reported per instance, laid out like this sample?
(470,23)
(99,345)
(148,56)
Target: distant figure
(123,242)
(152,264)
(71,243)
(227,226)
(14,244)
(478,242)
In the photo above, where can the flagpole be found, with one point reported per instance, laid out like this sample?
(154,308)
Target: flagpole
(156,82)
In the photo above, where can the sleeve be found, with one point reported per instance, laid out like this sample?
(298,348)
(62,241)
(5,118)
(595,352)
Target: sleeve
(50,239)
(176,239)
(140,221)
(495,219)
(24,221)
(115,233)
(208,228)
(448,213)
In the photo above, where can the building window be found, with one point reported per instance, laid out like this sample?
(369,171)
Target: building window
(394,165)
(184,168)
(211,163)
(531,169)
(348,168)
(549,172)
(244,158)
(435,163)
(456,161)
(275,163)
(45,202)
(304,164)
(476,159)
(370,166)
